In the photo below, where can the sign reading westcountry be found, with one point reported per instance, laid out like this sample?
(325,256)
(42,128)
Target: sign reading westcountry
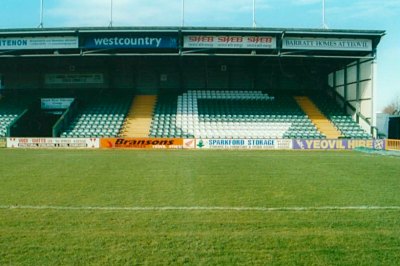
(35,43)
(327,44)
(235,42)
(131,42)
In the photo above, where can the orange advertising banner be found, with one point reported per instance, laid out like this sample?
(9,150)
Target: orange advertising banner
(141,143)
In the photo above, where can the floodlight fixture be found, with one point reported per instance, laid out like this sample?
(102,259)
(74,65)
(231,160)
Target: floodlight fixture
(41,14)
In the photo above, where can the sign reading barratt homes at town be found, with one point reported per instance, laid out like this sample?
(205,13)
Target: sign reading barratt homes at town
(300,43)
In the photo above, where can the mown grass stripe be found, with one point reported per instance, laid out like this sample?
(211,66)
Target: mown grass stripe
(199,208)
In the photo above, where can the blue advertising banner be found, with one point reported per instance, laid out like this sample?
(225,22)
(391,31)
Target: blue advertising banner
(337,144)
(149,42)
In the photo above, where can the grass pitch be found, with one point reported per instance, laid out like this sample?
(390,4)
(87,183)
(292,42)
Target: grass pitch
(198,207)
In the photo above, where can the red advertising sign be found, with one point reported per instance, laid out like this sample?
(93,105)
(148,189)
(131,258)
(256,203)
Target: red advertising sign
(234,42)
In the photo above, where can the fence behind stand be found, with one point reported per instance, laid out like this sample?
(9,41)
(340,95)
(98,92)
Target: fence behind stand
(393,144)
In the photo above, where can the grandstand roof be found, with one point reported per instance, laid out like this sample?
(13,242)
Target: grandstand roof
(316,31)
(174,42)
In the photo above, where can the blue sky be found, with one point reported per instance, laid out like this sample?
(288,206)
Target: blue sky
(340,14)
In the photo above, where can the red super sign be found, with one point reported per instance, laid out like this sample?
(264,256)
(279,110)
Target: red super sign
(230,39)
(257,39)
(201,38)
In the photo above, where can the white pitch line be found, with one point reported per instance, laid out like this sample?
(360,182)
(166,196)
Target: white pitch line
(200,208)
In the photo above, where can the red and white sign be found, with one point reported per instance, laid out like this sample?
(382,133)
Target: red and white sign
(63,143)
(189,143)
(229,42)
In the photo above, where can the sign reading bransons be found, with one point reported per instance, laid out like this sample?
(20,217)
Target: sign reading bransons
(141,143)
(28,43)
(235,42)
(334,44)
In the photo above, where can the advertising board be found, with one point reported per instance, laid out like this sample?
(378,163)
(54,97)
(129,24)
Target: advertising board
(337,144)
(3,142)
(132,41)
(249,144)
(333,44)
(56,103)
(75,78)
(63,143)
(234,42)
(141,143)
(36,43)
(189,143)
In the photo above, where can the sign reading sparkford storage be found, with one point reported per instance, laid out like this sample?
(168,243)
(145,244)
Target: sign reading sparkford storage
(234,42)
(256,144)
(15,43)
(337,144)
(327,44)
(141,143)
(149,42)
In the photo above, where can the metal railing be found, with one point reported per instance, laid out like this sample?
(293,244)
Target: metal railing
(393,144)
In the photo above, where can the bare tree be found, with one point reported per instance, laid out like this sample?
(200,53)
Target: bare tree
(393,108)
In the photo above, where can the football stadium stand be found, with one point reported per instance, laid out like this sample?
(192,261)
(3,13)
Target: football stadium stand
(189,82)
(10,109)
(230,114)
(164,118)
(343,122)
(102,117)
(322,123)
(138,121)
(203,114)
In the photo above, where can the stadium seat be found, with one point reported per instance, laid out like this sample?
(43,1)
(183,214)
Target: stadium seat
(102,117)
(230,114)
(10,109)
(343,122)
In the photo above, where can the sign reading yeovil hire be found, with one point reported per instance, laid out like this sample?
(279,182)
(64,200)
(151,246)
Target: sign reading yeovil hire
(337,144)
(131,42)
(235,42)
(327,44)
(28,43)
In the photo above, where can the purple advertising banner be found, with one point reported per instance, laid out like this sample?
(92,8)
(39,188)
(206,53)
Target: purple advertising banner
(337,144)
